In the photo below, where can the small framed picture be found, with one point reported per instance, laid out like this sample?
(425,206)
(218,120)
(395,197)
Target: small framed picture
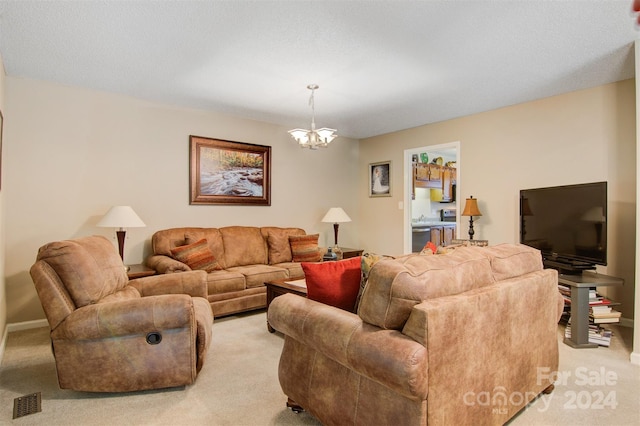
(380,179)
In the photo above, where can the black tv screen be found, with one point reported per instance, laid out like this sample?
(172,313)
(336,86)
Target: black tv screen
(567,223)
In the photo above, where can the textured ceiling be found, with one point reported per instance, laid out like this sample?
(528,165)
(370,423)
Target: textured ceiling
(382,66)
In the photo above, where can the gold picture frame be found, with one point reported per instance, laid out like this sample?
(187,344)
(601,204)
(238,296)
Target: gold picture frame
(227,172)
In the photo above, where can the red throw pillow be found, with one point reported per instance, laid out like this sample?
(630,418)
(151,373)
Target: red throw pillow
(334,283)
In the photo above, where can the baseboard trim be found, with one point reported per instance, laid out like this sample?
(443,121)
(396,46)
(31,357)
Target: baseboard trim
(635,358)
(626,322)
(26,325)
(18,326)
(3,344)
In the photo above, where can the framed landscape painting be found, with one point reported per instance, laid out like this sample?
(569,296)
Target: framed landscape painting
(226,172)
(380,179)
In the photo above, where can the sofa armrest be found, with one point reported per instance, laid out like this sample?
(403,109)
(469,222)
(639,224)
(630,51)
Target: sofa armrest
(165,265)
(497,338)
(128,317)
(193,283)
(385,356)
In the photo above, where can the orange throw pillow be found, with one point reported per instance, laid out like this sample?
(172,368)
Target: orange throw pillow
(196,256)
(304,248)
(334,283)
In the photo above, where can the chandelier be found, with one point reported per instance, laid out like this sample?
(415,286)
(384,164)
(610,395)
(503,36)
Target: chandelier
(313,138)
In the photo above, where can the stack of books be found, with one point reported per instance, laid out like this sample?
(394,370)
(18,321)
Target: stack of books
(601,314)
(598,335)
(600,310)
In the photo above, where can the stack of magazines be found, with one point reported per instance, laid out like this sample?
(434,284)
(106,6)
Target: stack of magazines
(597,334)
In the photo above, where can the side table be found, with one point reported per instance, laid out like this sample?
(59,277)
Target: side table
(349,252)
(279,287)
(580,285)
(139,271)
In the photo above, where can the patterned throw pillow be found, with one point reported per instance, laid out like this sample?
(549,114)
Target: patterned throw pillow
(366,263)
(304,248)
(333,283)
(196,256)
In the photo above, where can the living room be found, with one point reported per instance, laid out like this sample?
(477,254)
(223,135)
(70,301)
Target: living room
(70,153)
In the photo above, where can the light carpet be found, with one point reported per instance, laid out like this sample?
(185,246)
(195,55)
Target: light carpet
(238,385)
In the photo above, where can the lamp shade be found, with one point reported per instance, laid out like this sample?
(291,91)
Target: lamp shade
(471,207)
(121,217)
(525,208)
(594,214)
(336,215)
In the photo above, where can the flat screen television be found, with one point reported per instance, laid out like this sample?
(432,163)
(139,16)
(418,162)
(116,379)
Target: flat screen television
(568,224)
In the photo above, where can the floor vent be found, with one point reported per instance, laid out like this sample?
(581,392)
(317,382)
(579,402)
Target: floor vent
(27,404)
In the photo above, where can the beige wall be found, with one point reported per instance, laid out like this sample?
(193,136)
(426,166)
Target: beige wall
(3,299)
(577,137)
(70,154)
(635,355)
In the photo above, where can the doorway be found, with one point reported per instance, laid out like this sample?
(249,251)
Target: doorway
(423,206)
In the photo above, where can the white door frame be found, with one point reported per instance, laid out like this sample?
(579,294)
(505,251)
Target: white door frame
(408,176)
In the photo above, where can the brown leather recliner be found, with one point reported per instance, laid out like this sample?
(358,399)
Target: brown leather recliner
(110,334)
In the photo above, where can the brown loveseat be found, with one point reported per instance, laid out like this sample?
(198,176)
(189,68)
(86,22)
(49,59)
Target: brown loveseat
(109,334)
(247,257)
(468,337)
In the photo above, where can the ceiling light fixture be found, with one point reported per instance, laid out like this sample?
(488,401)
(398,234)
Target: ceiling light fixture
(313,138)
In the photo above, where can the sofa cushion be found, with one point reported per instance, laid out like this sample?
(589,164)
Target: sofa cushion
(243,245)
(224,282)
(334,283)
(257,275)
(304,248)
(197,256)
(278,243)
(395,286)
(511,260)
(294,268)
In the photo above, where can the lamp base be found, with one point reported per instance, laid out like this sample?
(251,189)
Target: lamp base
(121,235)
(338,251)
(471,231)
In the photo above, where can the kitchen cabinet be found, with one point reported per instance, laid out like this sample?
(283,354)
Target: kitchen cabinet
(421,172)
(448,234)
(437,177)
(427,175)
(436,235)
(442,235)
(449,177)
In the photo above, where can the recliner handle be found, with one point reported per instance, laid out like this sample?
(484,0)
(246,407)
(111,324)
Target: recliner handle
(154,337)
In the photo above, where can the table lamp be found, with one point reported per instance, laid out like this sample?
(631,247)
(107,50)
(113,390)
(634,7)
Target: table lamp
(471,210)
(121,217)
(336,215)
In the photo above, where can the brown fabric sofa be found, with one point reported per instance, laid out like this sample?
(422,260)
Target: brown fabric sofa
(110,334)
(249,256)
(464,338)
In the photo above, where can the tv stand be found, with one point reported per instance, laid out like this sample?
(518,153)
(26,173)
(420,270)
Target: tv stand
(580,285)
(568,267)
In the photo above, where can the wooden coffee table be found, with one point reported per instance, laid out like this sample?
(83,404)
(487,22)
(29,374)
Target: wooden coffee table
(279,287)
